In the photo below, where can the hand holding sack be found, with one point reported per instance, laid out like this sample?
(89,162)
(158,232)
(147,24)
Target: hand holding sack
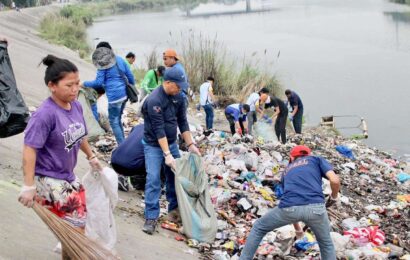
(95,164)
(170,161)
(193,149)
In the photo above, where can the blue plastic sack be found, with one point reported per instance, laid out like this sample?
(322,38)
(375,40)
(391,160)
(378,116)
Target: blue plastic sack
(303,244)
(403,177)
(345,151)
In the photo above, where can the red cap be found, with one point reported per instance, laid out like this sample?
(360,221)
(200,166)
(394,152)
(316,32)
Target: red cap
(300,150)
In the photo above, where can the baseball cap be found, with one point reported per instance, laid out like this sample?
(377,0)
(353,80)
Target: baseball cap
(300,150)
(176,75)
(171,53)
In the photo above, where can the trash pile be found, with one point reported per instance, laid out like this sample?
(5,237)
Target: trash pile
(371,220)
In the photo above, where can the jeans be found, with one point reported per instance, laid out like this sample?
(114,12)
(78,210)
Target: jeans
(94,108)
(115,111)
(231,121)
(280,128)
(297,121)
(209,119)
(313,215)
(154,162)
(251,117)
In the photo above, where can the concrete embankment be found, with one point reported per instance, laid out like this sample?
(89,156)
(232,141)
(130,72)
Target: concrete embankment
(22,234)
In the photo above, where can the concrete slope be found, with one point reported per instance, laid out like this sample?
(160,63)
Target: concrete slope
(22,233)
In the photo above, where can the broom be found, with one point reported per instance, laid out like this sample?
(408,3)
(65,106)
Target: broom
(76,244)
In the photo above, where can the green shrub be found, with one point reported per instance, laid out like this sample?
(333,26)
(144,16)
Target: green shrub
(65,31)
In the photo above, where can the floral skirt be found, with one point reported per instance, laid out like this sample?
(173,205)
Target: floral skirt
(66,200)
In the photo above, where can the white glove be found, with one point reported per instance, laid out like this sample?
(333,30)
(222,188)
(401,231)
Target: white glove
(27,195)
(170,162)
(95,164)
(193,149)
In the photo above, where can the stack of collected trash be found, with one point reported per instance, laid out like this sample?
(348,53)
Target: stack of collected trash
(371,221)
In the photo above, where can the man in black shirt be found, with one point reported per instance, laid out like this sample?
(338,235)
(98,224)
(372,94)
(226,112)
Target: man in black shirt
(281,114)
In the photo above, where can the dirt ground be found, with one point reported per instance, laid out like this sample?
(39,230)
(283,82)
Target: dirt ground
(22,234)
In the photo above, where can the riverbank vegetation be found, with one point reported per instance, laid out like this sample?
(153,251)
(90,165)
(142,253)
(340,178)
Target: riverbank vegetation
(407,2)
(205,56)
(202,56)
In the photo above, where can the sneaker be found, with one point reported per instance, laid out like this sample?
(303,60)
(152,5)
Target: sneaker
(123,183)
(174,216)
(149,226)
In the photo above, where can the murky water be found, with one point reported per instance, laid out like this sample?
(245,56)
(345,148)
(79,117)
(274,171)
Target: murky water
(349,57)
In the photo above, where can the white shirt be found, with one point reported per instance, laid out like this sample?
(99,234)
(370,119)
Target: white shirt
(204,96)
(252,100)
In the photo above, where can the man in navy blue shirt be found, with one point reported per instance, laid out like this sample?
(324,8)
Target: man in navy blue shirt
(164,111)
(128,158)
(302,200)
(236,116)
(297,110)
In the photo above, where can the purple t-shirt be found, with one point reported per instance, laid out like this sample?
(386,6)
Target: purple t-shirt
(56,134)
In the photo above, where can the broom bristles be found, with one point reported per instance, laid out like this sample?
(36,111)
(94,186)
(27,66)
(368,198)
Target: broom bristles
(77,245)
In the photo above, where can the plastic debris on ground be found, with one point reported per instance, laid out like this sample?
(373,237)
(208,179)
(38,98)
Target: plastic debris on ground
(371,221)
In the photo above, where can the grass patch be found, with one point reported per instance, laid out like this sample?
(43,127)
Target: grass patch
(65,31)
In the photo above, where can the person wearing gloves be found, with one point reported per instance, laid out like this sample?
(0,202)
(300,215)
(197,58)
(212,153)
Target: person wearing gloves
(255,100)
(296,116)
(53,137)
(110,75)
(236,116)
(302,200)
(280,115)
(164,111)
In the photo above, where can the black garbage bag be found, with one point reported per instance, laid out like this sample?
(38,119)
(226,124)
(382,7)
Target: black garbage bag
(14,114)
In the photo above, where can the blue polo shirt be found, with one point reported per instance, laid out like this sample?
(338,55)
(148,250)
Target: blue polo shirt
(235,110)
(302,181)
(130,153)
(295,100)
(163,114)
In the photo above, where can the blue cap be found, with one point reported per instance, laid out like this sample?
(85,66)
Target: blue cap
(176,75)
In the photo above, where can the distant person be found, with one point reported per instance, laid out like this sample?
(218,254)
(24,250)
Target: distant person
(54,135)
(3,39)
(128,159)
(254,101)
(152,80)
(296,116)
(171,59)
(236,116)
(130,59)
(111,69)
(280,116)
(206,100)
(302,200)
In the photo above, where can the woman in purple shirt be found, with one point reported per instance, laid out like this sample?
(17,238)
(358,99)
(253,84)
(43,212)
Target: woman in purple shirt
(53,137)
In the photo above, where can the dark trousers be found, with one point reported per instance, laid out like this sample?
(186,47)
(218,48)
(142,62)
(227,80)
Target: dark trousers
(280,128)
(297,121)
(209,119)
(231,121)
(138,176)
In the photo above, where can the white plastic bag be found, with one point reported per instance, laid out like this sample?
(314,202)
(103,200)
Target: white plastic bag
(101,197)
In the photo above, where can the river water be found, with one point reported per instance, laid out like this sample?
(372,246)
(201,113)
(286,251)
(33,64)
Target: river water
(343,57)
